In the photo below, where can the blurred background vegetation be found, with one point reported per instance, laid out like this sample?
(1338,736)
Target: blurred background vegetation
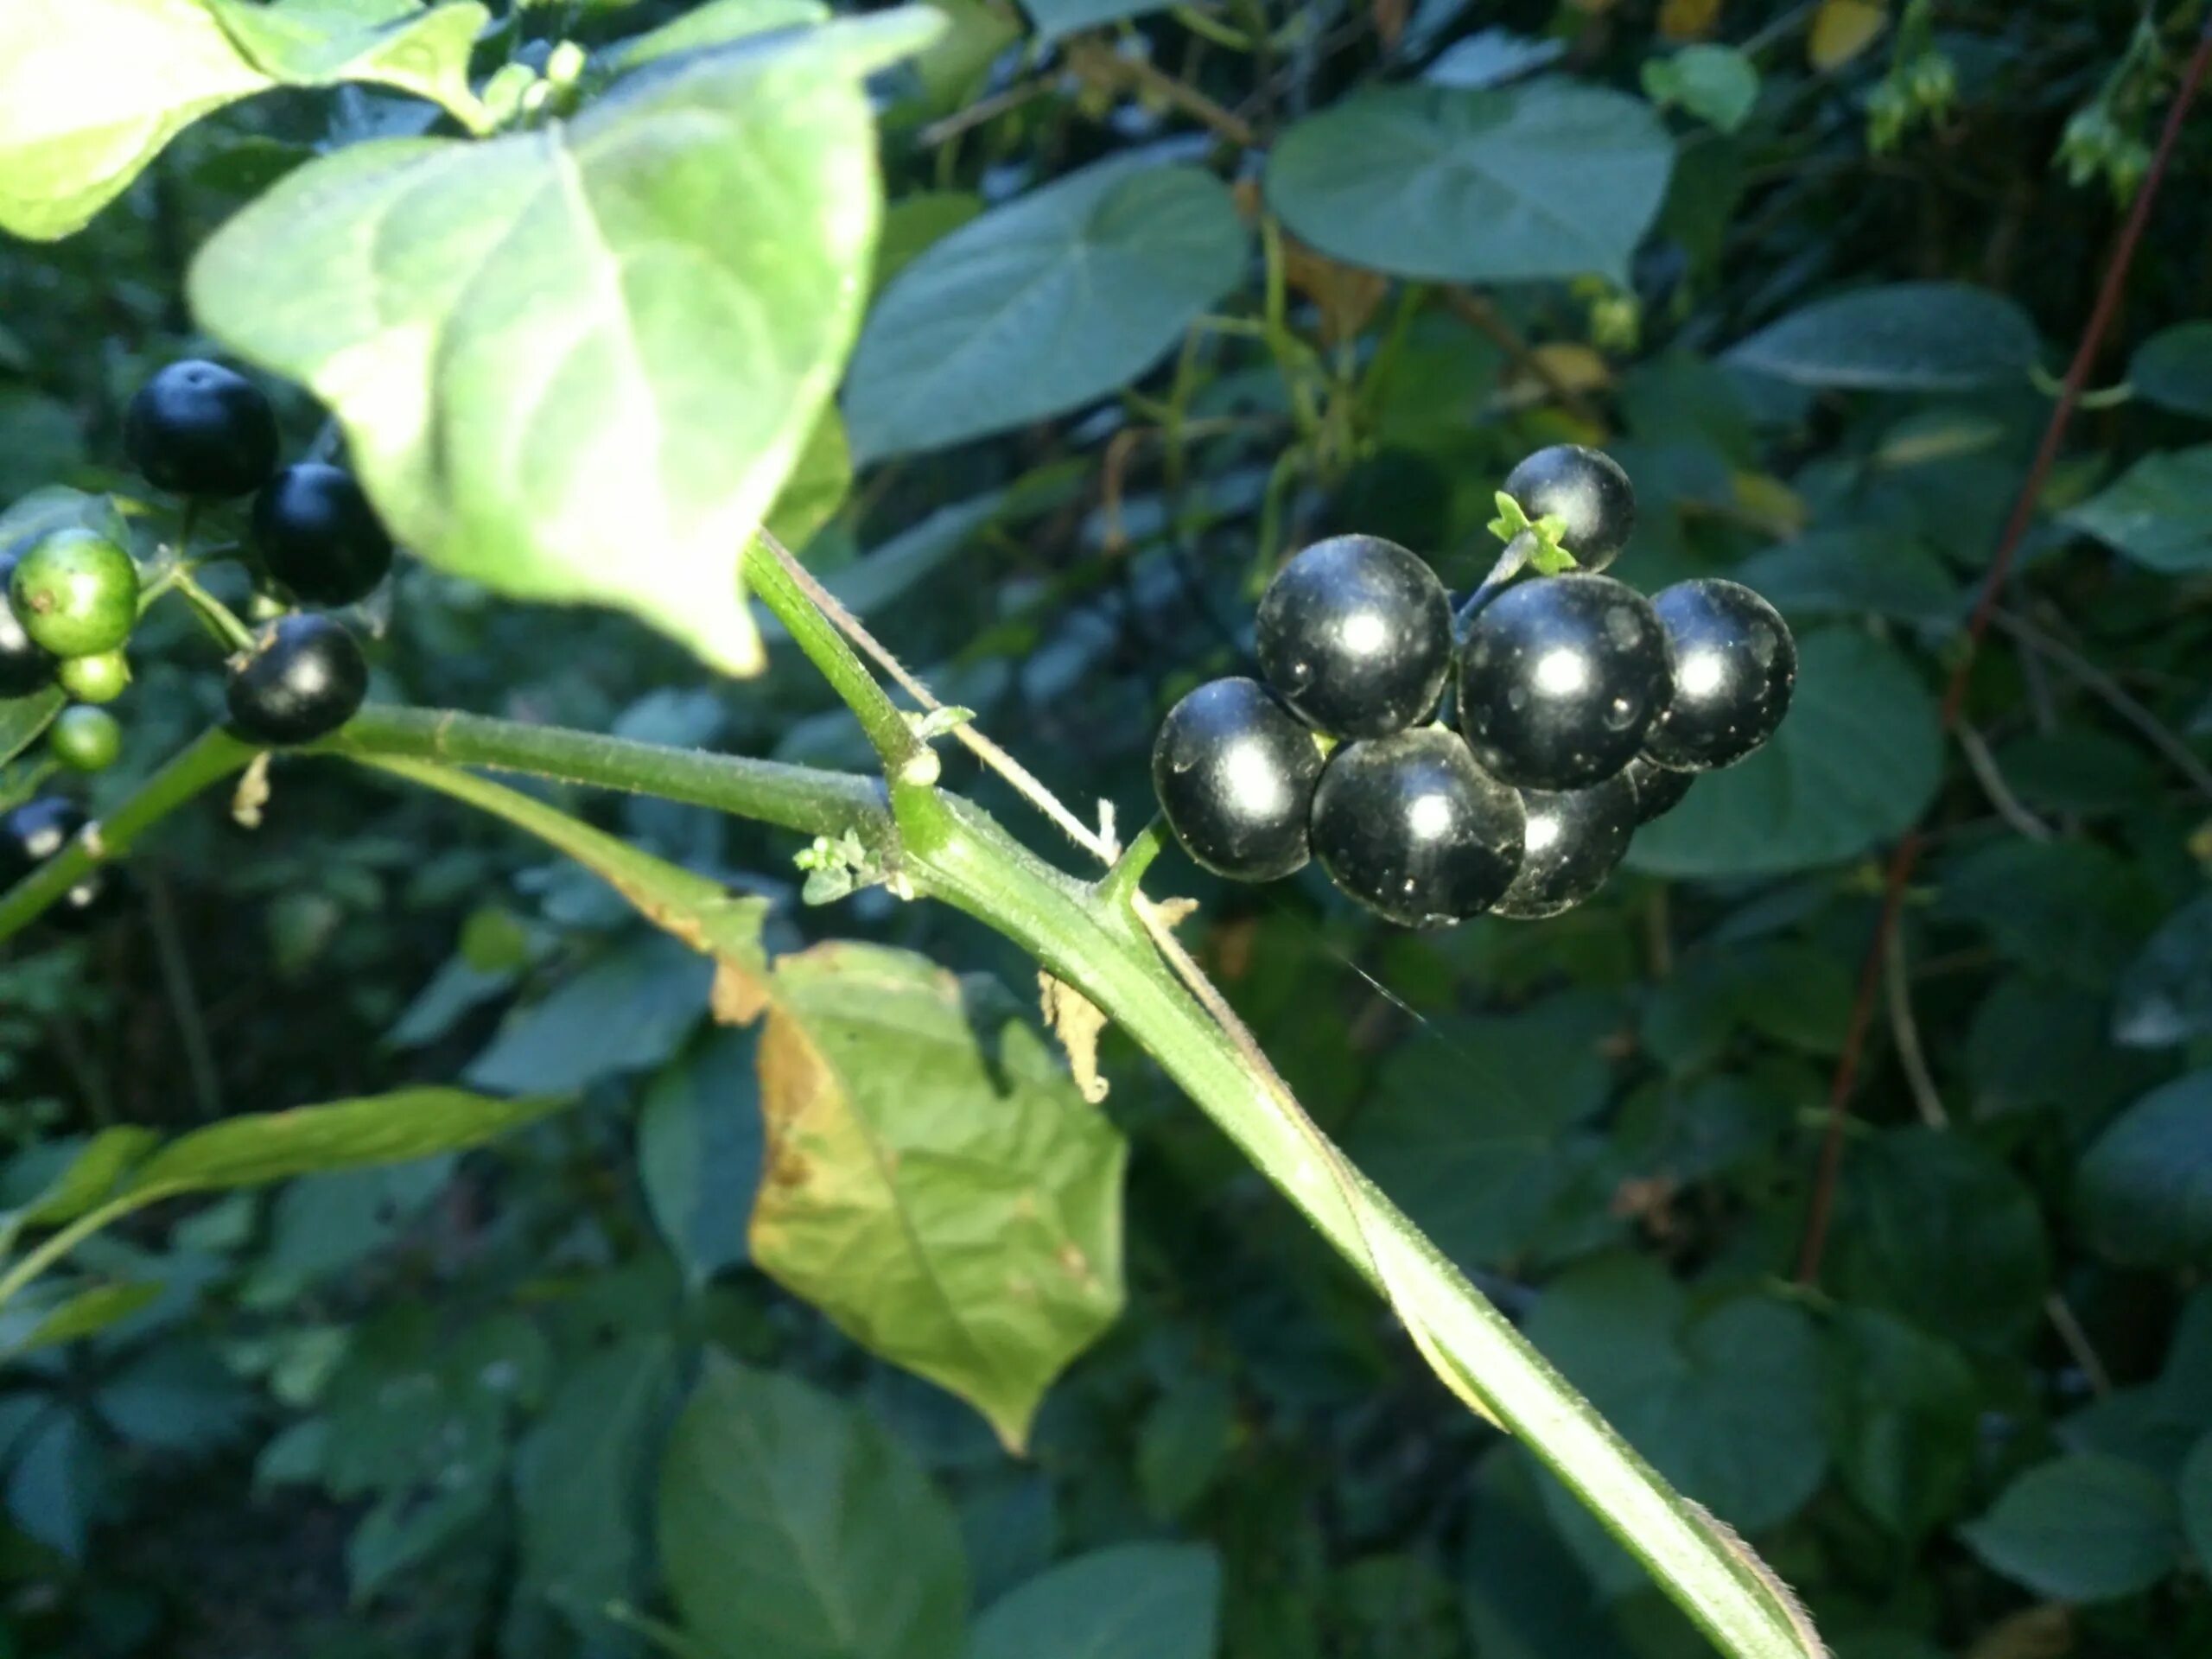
(1808,270)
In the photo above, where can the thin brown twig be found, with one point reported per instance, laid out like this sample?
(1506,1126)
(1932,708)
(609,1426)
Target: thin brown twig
(2111,693)
(1821,1210)
(1485,319)
(1100,65)
(1983,764)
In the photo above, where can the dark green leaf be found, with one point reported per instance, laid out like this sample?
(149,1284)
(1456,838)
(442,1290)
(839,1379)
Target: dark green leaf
(630,1010)
(2081,1528)
(1855,763)
(1906,337)
(2159,513)
(1903,1417)
(1547,180)
(176,1397)
(1037,307)
(2145,1186)
(1854,572)
(699,1146)
(1717,84)
(55,1484)
(2173,368)
(24,720)
(2165,996)
(791,1524)
(2063,905)
(2196,1502)
(1135,1601)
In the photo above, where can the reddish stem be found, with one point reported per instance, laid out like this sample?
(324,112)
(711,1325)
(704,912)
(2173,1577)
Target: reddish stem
(1907,856)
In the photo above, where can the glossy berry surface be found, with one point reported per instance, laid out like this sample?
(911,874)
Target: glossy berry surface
(1560,679)
(1355,633)
(302,678)
(1587,492)
(1735,667)
(318,536)
(75,593)
(1411,828)
(1235,772)
(1658,791)
(34,833)
(101,678)
(197,429)
(85,739)
(1576,838)
(25,665)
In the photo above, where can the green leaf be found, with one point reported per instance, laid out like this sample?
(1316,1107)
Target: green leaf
(391,42)
(1134,1601)
(1057,19)
(2165,998)
(89,1179)
(2159,513)
(716,24)
(820,480)
(406,1529)
(1468,185)
(253,1148)
(2196,1491)
(790,1523)
(1933,1227)
(55,1483)
(578,364)
(85,1313)
(2145,1186)
(1854,572)
(1904,1413)
(2065,906)
(699,1148)
(629,1010)
(2081,1528)
(1186,1437)
(1717,84)
(915,223)
(1059,297)
(2173,368)
(90,92)
(24,720)
(1725,1402)
(178,1396)
(1903,337)
(909,1114)
(1854,765)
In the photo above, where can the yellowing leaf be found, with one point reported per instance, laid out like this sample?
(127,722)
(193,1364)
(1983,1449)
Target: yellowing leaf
(1687,20)
(1844,29)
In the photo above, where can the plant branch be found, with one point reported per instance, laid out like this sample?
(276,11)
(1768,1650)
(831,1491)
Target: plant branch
(1478,312)
(1099,65)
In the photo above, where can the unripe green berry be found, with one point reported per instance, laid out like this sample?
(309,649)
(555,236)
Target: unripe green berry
(85,739)
(75,593)
(99,678)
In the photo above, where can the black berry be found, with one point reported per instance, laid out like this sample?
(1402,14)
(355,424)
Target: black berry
(1560,679)
(1587,491)
(1411,827)
(1355,634)
(317,534)
(1658,791)
(1735,666)
(1235,772)
(34,832)
(25,665)
(1576,838)
(302,678)
(197,429)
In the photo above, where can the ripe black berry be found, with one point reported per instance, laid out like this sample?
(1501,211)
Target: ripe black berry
(34,833)
(1587,491)
(1411,827)
(1735,666)
(25,665)
(1658,791)
(1234,774)
(197,429)
(302,679)
(1560,679)
(1576,838)
(1355,634)
(318,536)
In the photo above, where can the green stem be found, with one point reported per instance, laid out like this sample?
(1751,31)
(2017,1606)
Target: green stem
(1121,885)
(233,633)
(38,1260)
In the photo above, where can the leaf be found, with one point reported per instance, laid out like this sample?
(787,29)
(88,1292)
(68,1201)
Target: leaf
(716,24)
(2196,1493)
(1842,29)
(820,480)
(24,720)
(2159,514)
(1060,296)
(631,1009)
(1855,763)
(2165,998)
(393,42)
(1903,1414)
(1057,19)
(252,1149)
(1727,1402)
(1133,1601)
(88,1179)
(790,1523)
(2069,909)
(2081,1528)
(1471,185)
(699,1150)
(176,1397)
(1933,1227)
(406,1529)
(54,1485)
(91,91)
(2145,1186)
(1717,84)
(578,364)
(1490,57)
(915,223)
(2173,368)
(934,1182)
(83,1314)
(1903,337)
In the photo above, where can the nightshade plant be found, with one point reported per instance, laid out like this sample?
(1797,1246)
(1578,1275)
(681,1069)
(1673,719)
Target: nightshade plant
(603,307)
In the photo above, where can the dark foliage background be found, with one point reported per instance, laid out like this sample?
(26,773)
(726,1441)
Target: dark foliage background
(420,1411)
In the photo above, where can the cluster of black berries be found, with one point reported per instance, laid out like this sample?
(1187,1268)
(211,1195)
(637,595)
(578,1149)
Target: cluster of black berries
(1583,710)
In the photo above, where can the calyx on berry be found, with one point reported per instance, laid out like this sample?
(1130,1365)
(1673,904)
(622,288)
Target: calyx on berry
(1586,492)
(1411,828)
(1735,668)
(197,429)
(1234,774)
(1355,633)
(302,678)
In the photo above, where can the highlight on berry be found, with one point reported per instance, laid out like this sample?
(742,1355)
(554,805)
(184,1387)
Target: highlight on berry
(1579,710)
